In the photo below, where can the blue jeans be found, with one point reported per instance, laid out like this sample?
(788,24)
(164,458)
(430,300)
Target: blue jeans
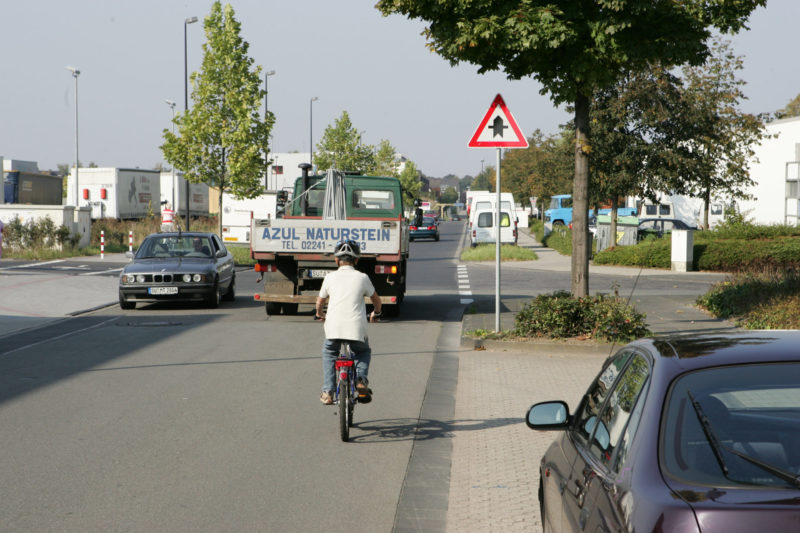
(330,352)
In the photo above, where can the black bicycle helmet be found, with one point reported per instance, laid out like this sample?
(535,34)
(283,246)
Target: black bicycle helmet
(347,248)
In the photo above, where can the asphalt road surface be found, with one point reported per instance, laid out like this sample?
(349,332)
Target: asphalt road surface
(179,418)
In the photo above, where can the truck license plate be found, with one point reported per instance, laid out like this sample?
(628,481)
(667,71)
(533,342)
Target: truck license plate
(162,290)
(317,273)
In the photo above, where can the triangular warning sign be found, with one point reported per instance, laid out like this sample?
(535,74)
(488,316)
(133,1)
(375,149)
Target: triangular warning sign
(498,129)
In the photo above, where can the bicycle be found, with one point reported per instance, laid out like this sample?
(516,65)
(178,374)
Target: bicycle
(345,395)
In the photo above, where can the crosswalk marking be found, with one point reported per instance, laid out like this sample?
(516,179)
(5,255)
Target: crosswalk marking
(463,285)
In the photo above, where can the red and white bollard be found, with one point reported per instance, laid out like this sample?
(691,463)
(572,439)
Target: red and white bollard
(130,241)
(102,244)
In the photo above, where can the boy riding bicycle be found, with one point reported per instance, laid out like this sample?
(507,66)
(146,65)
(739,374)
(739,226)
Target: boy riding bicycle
(346,320)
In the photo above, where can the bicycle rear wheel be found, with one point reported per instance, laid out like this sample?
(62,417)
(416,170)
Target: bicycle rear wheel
(352,404)
(345,409)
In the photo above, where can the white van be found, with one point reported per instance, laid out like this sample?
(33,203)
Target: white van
(483,230)
(483,201)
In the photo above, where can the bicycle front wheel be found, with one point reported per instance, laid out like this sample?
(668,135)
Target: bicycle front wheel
(345,409)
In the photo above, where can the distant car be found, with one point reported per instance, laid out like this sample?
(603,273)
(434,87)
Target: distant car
(659,227)
(682,433)
(431,214)
(429,229)
(189,266)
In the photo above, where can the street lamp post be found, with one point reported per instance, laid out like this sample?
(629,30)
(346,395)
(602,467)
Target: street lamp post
(171,104)
(75,74)
(266,117)
(186,22)
(311,131)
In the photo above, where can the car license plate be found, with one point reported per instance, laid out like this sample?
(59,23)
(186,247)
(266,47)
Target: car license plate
(317,273)
(162,290)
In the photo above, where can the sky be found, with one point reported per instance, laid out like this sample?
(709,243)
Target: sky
(345,53)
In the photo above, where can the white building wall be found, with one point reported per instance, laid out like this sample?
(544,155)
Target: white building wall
(769,174)
(289,162)
(79,223)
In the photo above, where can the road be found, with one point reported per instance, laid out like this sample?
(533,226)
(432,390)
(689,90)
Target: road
(174,417)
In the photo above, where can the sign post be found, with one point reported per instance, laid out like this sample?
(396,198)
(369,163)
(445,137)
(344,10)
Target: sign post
(498,130)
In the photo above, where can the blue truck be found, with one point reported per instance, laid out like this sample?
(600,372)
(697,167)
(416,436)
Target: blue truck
(560,211)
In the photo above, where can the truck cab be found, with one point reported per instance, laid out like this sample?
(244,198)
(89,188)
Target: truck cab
(560,211)
(295,253)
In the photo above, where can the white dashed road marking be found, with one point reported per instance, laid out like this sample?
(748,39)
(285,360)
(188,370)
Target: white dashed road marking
(463,285)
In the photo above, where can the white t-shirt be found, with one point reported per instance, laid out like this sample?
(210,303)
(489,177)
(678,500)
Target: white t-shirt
(346,289)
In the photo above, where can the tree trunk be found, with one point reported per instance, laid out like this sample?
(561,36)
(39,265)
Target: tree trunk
(613,228)
(706,203)
(580,200)
(222,183)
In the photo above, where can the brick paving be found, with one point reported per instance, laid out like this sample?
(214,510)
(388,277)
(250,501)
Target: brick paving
(494,474)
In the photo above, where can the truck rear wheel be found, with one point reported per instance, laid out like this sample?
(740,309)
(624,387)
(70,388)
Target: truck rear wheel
(391,311)
(289,309)
(273,308)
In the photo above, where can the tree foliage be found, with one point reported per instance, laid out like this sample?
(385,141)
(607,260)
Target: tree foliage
(572,47)
(792,109)
(638,136)
(543,169)
(484,181)
(411,184)
(341,148)
(385,160)
(719,149)
(221,140)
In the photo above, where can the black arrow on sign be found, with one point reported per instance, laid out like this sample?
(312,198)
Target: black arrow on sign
(497,127)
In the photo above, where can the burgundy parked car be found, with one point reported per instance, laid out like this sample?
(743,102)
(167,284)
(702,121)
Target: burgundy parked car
(685,434)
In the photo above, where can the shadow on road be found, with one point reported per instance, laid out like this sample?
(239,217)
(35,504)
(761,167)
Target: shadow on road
(402,429)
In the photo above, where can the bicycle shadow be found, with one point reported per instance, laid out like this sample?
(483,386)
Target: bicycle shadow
(402,429)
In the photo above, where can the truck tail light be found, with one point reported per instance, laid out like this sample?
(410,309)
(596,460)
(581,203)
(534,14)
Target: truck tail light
(103,193)
(474,233)
(85,194)
(386,269)
(265,267)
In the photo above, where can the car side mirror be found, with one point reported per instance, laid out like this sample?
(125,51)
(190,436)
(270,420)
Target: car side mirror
(221,253)
(129,254)
(548,415)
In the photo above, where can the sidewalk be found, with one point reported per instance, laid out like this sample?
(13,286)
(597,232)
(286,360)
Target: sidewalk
(30,299)
(494,475)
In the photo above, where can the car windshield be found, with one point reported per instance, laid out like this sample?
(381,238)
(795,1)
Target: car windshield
(734,425)
(174,246)
(428,221)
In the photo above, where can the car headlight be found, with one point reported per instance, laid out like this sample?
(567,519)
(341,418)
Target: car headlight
(197,277)
(140,278)
(129,278)
(187,278)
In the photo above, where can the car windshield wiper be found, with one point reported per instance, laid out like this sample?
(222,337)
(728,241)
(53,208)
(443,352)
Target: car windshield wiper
(717,447)
(711,437)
